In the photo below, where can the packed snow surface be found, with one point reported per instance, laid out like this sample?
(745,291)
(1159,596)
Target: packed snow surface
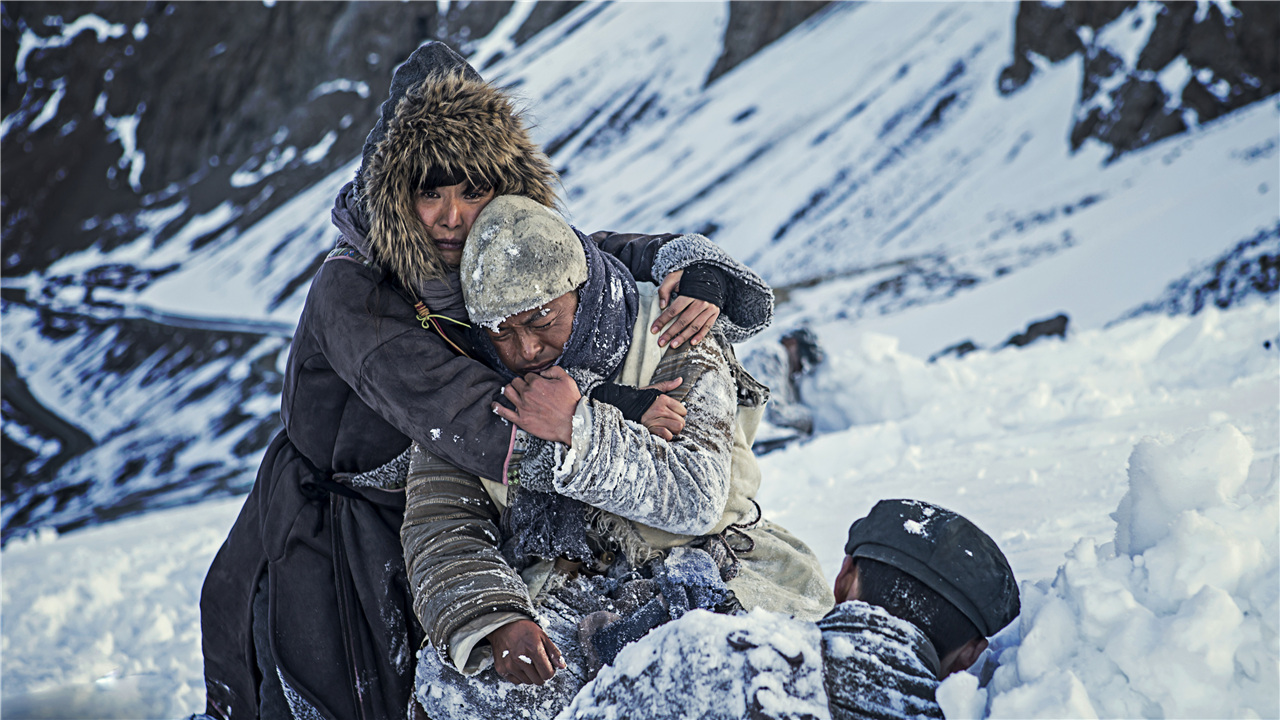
(1168,609)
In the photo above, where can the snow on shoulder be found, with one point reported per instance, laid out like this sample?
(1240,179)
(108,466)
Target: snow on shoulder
(1175,618)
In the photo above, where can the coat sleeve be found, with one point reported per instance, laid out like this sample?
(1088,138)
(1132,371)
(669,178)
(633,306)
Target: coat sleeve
(450,537)
(635,251)
(371,338)
(748,300)
(681,485)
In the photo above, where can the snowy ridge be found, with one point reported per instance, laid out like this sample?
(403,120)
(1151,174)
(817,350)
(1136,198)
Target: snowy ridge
(870,146)
(172,416)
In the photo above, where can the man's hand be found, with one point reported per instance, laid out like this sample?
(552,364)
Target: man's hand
(544,404)
(523,654)
(665,417)
(693,318)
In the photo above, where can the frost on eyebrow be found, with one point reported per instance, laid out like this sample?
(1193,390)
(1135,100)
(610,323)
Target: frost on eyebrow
(913,527)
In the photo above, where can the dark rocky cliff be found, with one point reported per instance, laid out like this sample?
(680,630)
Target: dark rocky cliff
(753,25)
(216,88)
(1221,61)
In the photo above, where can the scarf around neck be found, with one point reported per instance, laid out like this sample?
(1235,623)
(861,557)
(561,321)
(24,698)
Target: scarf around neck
(607,309)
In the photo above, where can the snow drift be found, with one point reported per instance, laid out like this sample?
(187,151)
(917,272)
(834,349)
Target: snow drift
(1177,617)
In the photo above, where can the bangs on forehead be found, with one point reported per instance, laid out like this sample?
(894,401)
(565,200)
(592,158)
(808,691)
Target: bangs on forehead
(436,176)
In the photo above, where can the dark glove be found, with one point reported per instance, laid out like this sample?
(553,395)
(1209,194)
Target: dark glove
(631,401)
(704,281)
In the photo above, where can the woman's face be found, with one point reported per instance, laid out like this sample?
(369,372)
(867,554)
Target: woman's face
(531,341)
(448,212)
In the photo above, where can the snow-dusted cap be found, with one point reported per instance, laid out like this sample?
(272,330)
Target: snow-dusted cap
(520,255)
(944,551)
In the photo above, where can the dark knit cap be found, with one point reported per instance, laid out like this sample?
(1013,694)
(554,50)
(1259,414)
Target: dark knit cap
(944,551)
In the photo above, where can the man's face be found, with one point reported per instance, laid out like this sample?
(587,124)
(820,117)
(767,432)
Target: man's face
(531,341)
(448,211)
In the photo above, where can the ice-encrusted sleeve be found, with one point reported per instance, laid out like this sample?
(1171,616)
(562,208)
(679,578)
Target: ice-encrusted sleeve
(681,485)
(748,300)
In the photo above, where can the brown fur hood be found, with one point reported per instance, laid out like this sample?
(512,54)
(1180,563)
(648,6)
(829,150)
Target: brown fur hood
(464,126)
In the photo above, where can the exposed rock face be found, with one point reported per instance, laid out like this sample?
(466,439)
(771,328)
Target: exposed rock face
(752,25)
(1151,69)
(1055,326)
(1247,271)
(112,107)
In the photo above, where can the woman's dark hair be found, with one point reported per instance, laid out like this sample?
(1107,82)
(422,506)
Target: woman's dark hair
(909,599)
(428,178)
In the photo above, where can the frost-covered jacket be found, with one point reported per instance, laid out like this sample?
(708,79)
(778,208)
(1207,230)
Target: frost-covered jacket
(671,493)
(877,666)
(857,663)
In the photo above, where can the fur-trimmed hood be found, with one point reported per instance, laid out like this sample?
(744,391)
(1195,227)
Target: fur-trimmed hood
(465,127)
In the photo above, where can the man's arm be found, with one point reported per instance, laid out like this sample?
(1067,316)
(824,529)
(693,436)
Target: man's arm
(459,579)
(635,250)
(681,485)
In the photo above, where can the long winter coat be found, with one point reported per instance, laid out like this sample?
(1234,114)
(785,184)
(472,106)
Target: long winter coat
(306,610)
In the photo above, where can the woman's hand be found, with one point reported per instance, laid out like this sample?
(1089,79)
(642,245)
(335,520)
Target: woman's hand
(693,318)
(665,417)
(544,404)
(523,654)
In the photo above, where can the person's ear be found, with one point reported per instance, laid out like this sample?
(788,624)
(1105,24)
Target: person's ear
(846,581)
(963,657)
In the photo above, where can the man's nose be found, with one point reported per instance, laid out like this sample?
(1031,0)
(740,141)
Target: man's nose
(530,347)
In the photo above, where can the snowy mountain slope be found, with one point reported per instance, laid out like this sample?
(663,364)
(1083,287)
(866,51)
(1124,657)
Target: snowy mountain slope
(171,416)
(1032,444)
(1155,219)
(1033,441)
(961,214)
(914,175)
(868,150)
(983,187)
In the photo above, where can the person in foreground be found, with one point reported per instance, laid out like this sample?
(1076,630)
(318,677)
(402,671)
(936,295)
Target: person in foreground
(603,529)
(920,591)
(305,611)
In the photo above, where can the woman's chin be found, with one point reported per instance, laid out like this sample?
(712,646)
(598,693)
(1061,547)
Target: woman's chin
(451,256)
